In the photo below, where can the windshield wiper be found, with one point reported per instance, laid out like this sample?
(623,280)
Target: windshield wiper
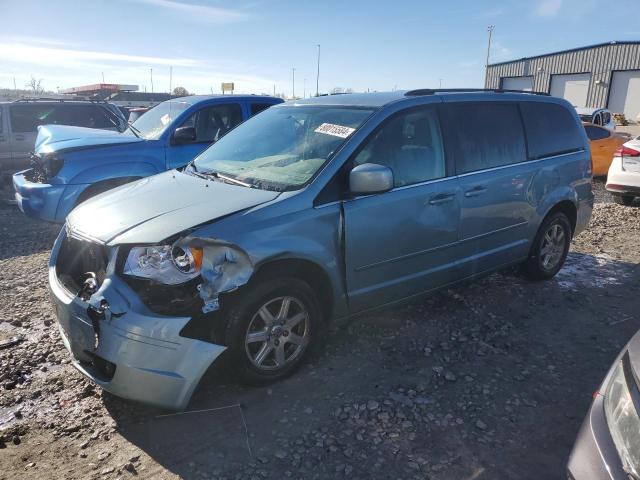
(233,180)
(217,175)
(135,131)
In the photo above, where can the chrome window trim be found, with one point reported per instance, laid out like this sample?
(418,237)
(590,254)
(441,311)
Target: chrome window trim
(462,175)
(526,162)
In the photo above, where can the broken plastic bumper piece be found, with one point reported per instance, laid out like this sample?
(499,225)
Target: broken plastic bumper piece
(128,350)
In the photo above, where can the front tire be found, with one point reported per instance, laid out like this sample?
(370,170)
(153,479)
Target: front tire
(623,199)
(550,248)
(271,328)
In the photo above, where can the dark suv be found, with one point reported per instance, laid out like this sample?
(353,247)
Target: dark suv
(19,121)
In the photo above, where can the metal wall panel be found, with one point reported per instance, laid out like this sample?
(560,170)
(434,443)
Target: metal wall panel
(600,61)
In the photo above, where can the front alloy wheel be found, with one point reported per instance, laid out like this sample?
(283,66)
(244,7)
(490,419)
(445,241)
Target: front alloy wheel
(278,333)
(271,326)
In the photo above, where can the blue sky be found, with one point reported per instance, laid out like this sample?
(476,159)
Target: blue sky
(377,45)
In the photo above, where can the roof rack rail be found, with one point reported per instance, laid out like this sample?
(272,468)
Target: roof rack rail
(433,91)
(61,100)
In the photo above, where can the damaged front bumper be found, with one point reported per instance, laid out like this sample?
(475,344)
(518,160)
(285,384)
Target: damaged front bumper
(127,349)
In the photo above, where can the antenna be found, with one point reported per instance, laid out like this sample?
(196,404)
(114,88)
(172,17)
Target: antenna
(318,71)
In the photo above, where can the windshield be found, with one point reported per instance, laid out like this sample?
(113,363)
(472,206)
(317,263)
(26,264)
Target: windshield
(155,121)
(282,147)
(586,118)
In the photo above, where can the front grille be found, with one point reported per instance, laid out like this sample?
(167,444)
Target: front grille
(38,173)
(79,260)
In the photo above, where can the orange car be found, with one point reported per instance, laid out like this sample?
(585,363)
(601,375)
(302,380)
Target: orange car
(604,144)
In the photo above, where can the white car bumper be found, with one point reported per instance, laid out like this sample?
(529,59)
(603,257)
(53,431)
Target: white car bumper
(624,181)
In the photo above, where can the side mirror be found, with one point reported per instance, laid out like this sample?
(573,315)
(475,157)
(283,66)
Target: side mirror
(370,178)
(184,135)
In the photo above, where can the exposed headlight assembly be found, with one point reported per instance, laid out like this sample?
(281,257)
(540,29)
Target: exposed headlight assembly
(622,416)
(168,264)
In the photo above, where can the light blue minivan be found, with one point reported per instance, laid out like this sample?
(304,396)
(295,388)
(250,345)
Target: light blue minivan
(312,210)
(72,164)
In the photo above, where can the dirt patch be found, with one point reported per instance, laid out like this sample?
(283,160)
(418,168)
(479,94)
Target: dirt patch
(487,380)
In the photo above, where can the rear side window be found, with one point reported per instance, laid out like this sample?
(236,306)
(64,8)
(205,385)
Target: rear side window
(551,129)
(258,107)
(483,135)
(27,118)
(596,133)
(84,116)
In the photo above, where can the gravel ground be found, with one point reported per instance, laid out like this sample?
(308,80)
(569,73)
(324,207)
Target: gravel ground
(488,380)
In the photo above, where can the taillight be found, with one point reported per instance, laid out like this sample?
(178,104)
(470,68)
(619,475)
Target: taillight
(626,152)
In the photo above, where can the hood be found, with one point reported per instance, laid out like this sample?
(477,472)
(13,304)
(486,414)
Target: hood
(55,138)
(154,208)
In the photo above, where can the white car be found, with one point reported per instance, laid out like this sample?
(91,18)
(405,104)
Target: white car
(597,116)
(623,179)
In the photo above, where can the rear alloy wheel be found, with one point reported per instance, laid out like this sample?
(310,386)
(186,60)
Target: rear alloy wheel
(623,199)
(271,327)
(550,248)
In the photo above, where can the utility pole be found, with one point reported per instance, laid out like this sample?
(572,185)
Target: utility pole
(304,88)
(440,84)
(486,66)
(293,83)
(170,80)
(318,72)
(15,88)
(151,71)
(274,89)
(102,77)
(490,30)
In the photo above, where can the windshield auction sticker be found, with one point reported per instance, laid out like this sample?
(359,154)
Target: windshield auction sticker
(335,130)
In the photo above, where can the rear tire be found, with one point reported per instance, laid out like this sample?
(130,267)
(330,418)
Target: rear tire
(550,248)
(623,199)
(265,341)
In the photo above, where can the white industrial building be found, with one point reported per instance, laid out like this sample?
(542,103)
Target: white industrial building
(603,75)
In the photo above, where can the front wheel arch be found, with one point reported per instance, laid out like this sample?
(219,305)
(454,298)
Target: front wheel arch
(101,187)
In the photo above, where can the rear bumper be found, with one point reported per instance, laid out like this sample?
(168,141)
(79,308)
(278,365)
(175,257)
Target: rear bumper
(623,182)
(44,201)
(150,361)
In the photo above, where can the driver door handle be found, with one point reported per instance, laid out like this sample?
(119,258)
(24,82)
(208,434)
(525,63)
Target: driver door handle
(474,192)
(441,198)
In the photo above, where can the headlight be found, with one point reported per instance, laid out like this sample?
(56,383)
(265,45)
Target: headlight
(622,418)
(164,263)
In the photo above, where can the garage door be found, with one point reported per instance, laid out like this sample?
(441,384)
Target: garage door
(517,83)
(572,88)
(624,96)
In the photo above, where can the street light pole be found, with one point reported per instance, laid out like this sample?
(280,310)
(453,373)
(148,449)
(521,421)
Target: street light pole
(318,72)
(486,66)
(151,72)
(304,88)
(293,83)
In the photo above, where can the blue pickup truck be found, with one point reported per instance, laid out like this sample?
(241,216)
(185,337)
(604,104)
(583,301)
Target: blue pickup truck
(71,164)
